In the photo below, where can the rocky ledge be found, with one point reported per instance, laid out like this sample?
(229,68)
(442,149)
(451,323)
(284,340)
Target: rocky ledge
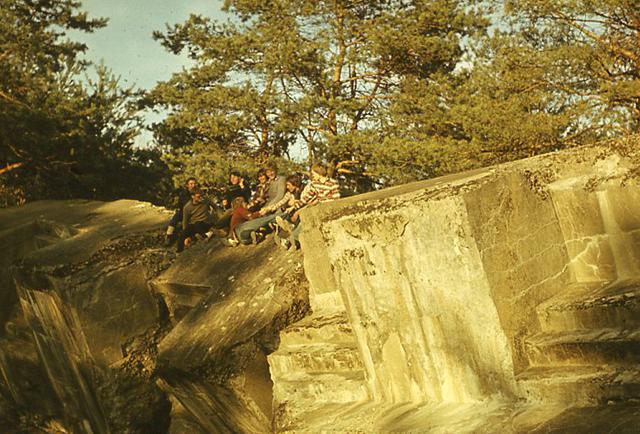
(104,330)
(500,300)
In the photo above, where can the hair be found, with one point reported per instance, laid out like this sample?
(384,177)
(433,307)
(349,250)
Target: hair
(319,169)
(295,180)
(261,172)
(237,202)
(191,178)
(271,166)
(196,191)
(235,173)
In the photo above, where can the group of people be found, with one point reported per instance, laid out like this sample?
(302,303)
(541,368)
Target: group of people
(246,215)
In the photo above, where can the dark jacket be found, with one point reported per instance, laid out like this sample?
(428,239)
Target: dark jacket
(234,190)
(183,197)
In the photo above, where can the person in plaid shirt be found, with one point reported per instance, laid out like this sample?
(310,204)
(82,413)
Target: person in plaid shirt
(320,189)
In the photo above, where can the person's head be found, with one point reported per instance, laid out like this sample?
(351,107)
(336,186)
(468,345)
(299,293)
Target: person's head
(191,183)
(196,195)
(238,202)
(235,177)
(318,171)
(262,176)
(271,170)
(294,183)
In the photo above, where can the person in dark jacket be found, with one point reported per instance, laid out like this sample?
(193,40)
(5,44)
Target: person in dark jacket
(183,196)
(236,188)
(196,219)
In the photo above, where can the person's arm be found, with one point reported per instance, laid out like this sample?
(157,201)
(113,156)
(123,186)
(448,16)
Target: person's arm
(185,216)
(308,194)
(282,202)
(246,191)
(211,210)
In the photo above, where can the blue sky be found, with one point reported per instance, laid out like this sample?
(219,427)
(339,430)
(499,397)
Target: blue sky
(126,45)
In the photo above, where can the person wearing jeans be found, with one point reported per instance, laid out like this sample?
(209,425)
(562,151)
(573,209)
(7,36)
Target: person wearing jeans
(275,195)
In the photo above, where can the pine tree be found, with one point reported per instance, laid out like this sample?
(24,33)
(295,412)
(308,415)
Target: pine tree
(62,134)
(285,74)
(592,57)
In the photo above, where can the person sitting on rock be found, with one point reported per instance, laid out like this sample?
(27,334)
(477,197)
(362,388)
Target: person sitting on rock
(183,195)
(236,188)
(320,189)
(196,219)
(260,196)
(241,214)
(277,187)
(275,193)
(289,202)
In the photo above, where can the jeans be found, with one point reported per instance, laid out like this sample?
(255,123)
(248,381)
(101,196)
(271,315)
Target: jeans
(295,233)
(244,230)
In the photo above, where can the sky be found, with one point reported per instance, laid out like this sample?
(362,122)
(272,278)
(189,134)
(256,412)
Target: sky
(126,45)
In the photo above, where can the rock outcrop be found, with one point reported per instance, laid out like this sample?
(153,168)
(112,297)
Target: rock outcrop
(501,300)
(104,330)
(515,285)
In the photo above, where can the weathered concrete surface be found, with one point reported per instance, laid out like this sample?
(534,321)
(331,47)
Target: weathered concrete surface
(499,285)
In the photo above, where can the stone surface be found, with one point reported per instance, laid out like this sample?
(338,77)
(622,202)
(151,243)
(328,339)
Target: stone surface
(317,364)
(103,329)
(500,300)
(500,285)
(77,290)
(214,360)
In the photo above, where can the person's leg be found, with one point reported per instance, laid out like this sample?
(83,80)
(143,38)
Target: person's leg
(175,221)
(242,234)
(187,233)
(284,223)
(295,236)
(224,220)
(201,228)
(244,230)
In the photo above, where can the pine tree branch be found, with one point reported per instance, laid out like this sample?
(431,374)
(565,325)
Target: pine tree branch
(13,100)
(10,167)
(595,37)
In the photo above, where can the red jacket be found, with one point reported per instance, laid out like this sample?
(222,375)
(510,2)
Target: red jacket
(239,216)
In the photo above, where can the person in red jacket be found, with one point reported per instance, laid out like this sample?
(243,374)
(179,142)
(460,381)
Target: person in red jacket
(240,214)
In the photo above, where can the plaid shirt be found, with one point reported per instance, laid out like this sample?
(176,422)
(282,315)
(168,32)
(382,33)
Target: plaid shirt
(320,191)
